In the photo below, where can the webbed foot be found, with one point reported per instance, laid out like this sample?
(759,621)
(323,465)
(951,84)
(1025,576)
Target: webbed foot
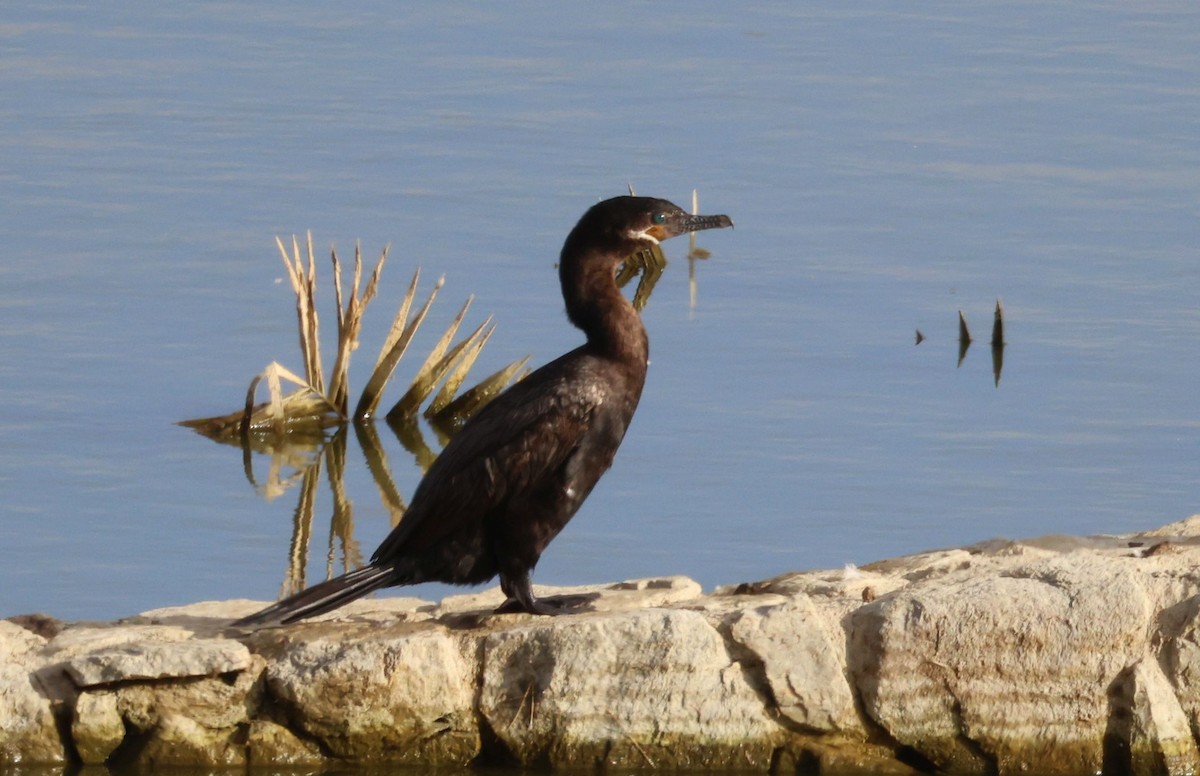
(550,605)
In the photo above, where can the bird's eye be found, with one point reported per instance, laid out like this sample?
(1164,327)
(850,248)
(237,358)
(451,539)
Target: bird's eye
(659,218)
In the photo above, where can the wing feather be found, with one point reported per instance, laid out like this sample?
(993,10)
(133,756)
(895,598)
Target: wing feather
(509,446)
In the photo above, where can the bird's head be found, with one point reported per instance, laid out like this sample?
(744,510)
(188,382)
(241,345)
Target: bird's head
(607,234)
(625,225)
(654,220)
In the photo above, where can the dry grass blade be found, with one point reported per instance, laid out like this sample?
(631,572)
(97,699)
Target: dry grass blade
(295,272)
(349,325)
(650,263)
(316,375)
(402,314)
(350,314)
(304,287)
(427,376)
(309,425)
(287,262)
(459,373)
(641,297)
(272,410)
(302,410)
(430,375)
(337,286)
(373,283)
(651,258)
(310,411)
(276,371)
(394,348)
(487,389)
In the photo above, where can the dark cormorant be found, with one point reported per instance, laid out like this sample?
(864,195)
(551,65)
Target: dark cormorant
(518,470)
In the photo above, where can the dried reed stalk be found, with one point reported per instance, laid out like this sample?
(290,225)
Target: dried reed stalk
(313,407)
(394,347)
(304,286)
(458,373)
(350,316)
(484,391)
(436,365)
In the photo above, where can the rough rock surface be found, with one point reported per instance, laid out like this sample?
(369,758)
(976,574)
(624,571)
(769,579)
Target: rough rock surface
(804,662)
(399,694)
(1058,655)
(28,731)
(649,688)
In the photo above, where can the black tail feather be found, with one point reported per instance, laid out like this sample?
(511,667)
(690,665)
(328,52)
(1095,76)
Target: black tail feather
(322,597)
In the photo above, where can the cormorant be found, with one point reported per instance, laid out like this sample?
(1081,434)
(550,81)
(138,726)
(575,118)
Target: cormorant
(518,470)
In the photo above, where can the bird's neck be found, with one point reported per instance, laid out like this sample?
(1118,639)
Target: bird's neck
(596,305)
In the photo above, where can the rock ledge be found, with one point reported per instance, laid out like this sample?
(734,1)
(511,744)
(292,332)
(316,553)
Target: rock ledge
(1059,655)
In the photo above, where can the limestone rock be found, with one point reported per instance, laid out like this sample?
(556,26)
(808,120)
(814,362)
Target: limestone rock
(1158,738)
(28,732)
(158,660)
(214,616)
(273,745)
(1182,661)
(804,660)
(179,740)
(96,727)
(181,721)
(618,596)
(200,612)
(84,639)
(395,694)
(20,645)
(190,721)
(1187,528)
(206,619)
(1058,655)
(217,704)
(648,688)
(983,673)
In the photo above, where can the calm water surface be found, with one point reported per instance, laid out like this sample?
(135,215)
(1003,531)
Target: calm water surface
(885,169)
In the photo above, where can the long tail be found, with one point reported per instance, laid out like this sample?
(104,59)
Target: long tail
(322,597)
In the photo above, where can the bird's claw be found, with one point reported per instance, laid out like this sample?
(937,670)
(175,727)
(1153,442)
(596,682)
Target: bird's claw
(549,606)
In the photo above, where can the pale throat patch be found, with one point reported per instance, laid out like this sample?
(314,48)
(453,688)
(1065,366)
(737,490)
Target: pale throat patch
(634,234)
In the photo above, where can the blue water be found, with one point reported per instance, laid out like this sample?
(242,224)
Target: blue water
(886,169)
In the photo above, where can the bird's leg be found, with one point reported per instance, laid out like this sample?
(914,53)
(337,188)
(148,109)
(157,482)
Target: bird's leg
(521,598)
